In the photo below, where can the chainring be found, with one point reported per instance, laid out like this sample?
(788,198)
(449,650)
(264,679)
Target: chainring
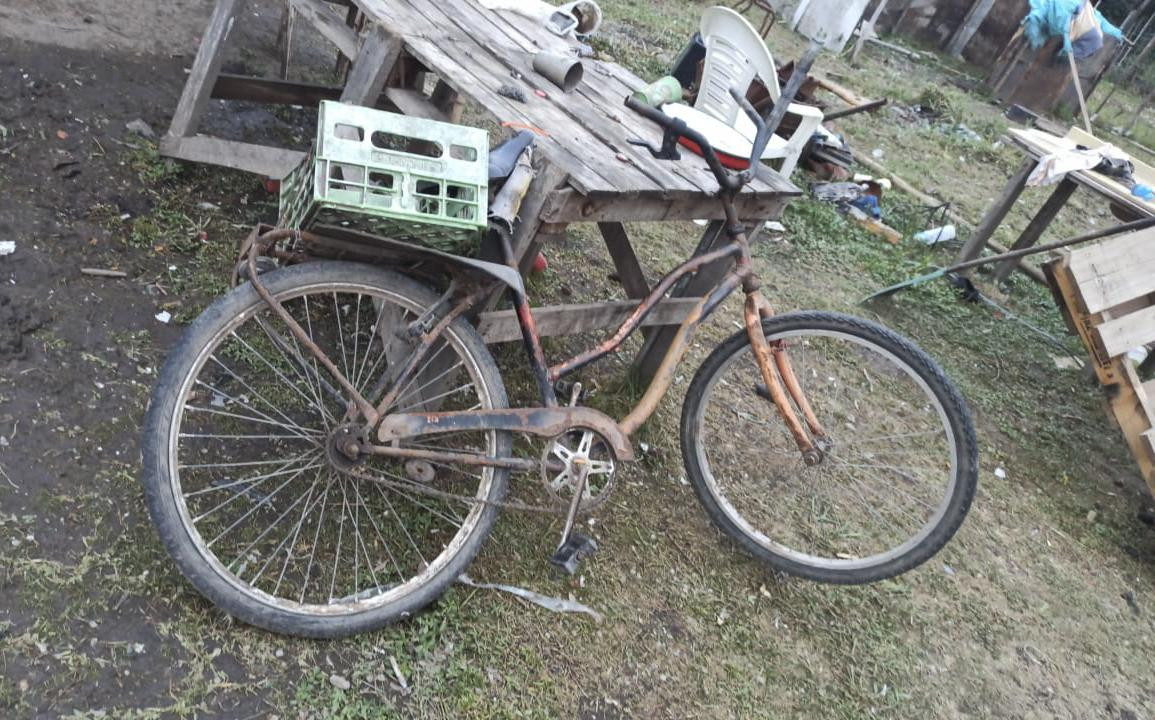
(573,448)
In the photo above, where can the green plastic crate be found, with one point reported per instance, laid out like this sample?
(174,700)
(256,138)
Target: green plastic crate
(405,178)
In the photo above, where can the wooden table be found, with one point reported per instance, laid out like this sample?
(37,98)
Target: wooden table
(588,171)
(1036,144)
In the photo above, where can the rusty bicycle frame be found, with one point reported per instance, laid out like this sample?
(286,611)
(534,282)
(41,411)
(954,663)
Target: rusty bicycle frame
(379,432)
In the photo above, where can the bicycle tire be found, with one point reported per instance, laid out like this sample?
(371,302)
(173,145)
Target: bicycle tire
(923,371)
(162,470)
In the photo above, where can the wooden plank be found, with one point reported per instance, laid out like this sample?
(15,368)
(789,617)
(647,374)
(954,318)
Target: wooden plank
(493,59)
(1133,411)
(275,163)
(1116,271)
(569,206)
(466,77)
(1038,225)
(501,326)
(329,23)
(372,66)
(1107,370)
(1123,334)
(207,64)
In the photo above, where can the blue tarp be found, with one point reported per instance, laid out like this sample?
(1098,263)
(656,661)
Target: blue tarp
(1052,18)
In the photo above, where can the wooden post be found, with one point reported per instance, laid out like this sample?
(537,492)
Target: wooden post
(974,20)
(997,212)
(1037,226)
(205,69)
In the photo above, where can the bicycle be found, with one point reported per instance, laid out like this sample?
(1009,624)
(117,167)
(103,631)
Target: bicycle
(329,444)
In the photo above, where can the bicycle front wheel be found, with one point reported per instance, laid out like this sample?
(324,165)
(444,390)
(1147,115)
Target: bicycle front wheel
(243,471)
(891,491)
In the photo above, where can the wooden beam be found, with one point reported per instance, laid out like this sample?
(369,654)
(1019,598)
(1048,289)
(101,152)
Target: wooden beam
(997,212)
(569,206)
(974,20)
(1038,225)
(329,23)
(501,326)
(207,64)
(267,161)
(372,66)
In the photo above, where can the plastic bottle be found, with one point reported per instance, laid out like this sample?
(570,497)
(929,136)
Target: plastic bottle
(936,235)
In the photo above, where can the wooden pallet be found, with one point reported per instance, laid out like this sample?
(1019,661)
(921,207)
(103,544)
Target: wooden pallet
(1107,294)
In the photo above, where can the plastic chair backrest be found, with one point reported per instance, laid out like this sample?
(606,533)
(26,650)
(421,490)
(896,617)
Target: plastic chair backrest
(735,55)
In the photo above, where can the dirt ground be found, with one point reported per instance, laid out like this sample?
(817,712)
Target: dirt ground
(1043,606)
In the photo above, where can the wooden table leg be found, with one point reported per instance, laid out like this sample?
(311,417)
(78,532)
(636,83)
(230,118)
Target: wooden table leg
(629,270)
(701,283)
(1037,226)
(997,212)
(372,67)
(203,75)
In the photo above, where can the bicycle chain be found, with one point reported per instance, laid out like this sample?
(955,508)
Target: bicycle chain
(432,492)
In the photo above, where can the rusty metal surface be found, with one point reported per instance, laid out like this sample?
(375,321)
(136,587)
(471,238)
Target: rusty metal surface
(265,243)
(634,321)
(767,367)
(669,366)
(544,422)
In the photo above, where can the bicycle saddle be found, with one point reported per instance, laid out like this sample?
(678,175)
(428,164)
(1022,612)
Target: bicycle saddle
(503,158)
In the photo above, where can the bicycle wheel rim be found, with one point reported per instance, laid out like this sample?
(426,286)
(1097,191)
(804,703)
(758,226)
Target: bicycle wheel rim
(348,603)
(712,484)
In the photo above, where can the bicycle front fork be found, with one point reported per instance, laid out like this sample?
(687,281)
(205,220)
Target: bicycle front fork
(781,384)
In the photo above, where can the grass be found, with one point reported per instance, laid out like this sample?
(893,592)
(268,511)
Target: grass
(1022,613)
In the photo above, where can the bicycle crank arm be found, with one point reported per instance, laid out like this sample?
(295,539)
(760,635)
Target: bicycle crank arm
(544,422)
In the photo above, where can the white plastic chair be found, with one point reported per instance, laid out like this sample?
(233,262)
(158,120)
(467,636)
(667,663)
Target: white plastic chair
(735,55)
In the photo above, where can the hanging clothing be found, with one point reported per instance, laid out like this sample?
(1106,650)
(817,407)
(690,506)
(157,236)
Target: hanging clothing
(1082,27)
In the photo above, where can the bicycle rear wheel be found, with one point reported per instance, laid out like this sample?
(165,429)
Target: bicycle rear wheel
(889,494)
(245,480)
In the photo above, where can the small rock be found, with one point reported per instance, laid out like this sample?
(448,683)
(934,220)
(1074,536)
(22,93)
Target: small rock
(164,316)
(1092,515)
(208,206)
(340,682)
(1000,473)
(1129,596)
(7,247)
(140,127)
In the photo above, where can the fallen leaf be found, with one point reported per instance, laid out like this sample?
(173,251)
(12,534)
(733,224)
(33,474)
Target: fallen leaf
(61,134)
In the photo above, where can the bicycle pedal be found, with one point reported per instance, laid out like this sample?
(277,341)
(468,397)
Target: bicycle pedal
(576,548)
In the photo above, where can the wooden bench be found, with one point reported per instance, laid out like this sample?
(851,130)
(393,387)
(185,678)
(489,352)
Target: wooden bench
(1107,294)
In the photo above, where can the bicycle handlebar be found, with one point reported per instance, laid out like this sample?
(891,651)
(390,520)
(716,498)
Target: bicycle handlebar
(726,179)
